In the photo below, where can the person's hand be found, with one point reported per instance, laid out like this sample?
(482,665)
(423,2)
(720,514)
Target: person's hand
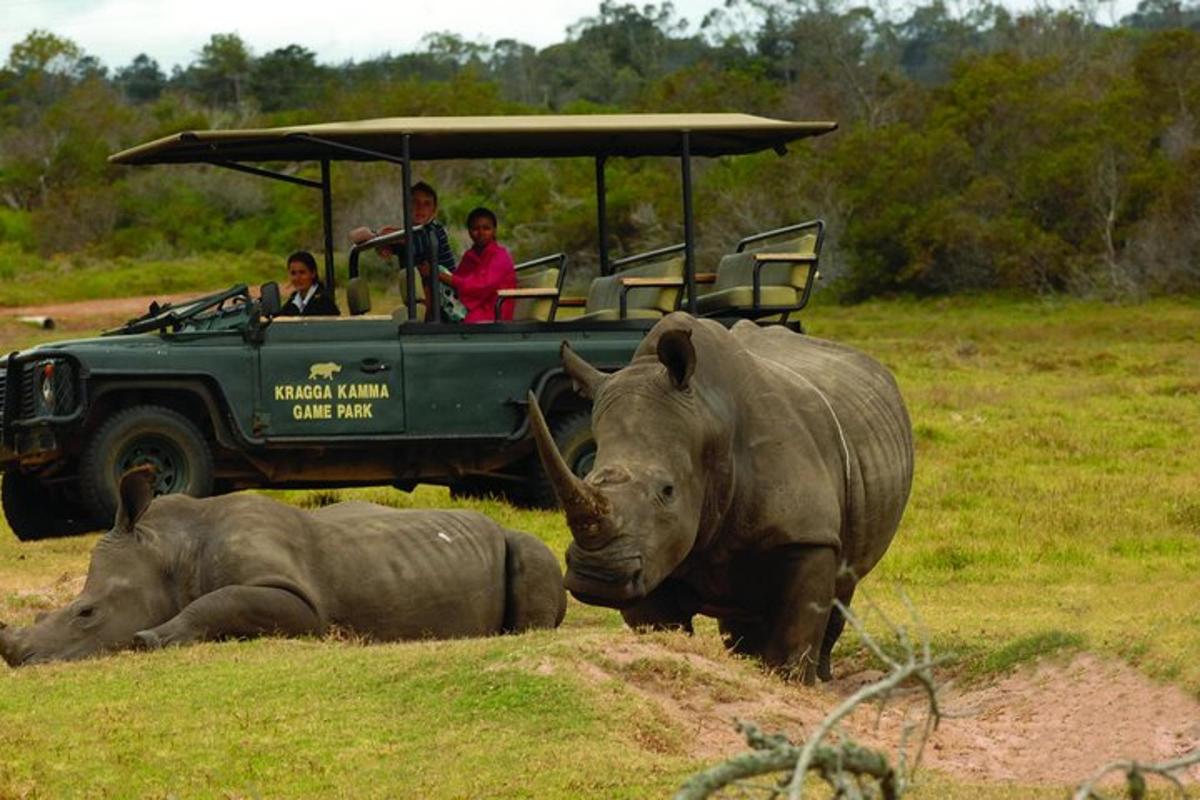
(386,251)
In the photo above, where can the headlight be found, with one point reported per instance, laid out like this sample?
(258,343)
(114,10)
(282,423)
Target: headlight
(47,377)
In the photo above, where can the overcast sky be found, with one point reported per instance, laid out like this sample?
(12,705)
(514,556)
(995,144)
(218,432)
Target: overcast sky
(336,30)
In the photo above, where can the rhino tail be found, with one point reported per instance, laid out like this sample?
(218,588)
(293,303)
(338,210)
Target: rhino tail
(534,596)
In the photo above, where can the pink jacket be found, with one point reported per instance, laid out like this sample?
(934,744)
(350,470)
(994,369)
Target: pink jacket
(479,276)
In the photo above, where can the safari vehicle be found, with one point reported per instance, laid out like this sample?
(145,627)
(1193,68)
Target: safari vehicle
(219,394)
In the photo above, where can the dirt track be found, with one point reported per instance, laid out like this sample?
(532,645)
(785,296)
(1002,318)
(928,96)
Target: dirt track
(1051,723)
(83,314)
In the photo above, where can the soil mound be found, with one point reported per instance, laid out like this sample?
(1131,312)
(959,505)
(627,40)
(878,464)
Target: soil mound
(1054,722)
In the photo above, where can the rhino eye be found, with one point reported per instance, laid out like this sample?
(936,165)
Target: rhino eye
(86,612)
(667,491)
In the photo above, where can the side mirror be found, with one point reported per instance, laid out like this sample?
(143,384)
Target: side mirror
(269,301)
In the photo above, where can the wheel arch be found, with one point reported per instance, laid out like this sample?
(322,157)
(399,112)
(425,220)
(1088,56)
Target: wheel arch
(559,397)
(195,398)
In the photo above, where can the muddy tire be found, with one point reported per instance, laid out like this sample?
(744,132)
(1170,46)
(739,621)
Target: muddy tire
(573,435)
(154,435)
(36,511)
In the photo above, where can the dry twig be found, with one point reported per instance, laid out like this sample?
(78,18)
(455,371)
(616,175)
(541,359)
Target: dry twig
(843,765)
(1135,776)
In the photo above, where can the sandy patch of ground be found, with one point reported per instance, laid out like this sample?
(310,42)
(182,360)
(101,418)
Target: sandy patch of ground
(90,314)
(1054,722)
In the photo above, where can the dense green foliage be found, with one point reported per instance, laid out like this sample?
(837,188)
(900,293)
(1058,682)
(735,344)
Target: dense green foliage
(1037,152)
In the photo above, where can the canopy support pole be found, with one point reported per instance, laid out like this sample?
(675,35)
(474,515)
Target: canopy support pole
(327,223)
(266,173)
(602,213)
(689,222)
(410,283)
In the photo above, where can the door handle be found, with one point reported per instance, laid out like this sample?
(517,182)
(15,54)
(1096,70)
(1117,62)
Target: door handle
(371,365)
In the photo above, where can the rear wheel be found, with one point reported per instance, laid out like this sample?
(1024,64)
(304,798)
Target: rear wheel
(153,435)
(37,511)
(573,435)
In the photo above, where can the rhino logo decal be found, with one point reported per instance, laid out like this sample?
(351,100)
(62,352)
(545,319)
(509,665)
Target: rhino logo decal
(324,369)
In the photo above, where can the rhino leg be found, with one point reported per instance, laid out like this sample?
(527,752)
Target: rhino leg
(534,596)
(744,636)
(670,607)
(235,611)
(806,591)
(837,622)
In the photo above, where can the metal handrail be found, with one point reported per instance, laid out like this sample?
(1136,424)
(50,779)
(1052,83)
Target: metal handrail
(819,224)
(383,239)
(639,257)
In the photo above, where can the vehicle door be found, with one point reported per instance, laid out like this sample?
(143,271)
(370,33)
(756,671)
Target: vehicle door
(329,378)
(472,380)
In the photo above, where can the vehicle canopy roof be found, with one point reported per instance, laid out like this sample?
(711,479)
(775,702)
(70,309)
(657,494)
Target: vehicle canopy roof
(406,139)
(481,137)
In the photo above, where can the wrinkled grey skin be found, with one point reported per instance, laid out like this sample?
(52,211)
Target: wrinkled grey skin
(175,569)
(751,474)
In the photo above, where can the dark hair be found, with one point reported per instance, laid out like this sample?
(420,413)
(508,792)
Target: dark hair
(305,258)
(422,186)
(482,212)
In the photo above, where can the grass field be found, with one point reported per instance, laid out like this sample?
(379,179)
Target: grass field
(1056,506)
(30,280)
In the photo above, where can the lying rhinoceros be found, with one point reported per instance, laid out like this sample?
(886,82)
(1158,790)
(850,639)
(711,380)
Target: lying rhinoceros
(751,474)
(175,569)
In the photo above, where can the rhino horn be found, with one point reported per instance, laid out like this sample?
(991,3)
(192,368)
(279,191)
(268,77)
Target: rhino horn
(586,378)
(587,509)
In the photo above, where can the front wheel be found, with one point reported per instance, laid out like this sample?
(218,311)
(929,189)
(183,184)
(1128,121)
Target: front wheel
(573,435)
(160,437)
(37,511)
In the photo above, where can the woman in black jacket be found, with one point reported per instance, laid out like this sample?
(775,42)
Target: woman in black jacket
(309,298)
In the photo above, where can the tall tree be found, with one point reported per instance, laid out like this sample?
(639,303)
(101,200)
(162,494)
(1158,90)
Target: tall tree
(141,80)
(222,72)
(46,66)
(288,77)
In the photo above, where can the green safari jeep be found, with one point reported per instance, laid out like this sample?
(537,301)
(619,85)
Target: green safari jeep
(218,393)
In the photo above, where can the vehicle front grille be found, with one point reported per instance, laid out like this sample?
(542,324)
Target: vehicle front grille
(28,405)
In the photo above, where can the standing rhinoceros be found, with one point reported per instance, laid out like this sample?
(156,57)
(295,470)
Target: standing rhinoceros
(175,569)
(751,474)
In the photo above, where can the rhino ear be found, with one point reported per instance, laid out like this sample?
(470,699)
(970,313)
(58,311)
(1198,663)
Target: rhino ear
(133,497)
(677,354)
(587,379)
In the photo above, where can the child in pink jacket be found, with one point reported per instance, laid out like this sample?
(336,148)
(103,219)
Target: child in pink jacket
(483,270)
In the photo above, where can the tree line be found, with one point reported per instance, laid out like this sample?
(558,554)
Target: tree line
(978,149)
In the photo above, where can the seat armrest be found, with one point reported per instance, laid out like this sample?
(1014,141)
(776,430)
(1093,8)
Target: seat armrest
(706,277)
(642,283)
(776,258)
(630,283)
(514,294)
(532,291)
(579,302)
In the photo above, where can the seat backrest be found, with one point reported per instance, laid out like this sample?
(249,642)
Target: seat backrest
(737,269)
(605,292)
(538,308)
(358,296)
(401,287)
